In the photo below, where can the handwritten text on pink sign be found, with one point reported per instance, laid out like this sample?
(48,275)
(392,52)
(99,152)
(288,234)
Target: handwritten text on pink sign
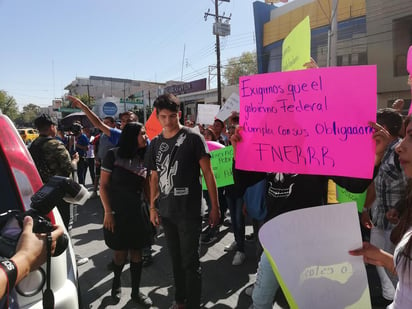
(309,122)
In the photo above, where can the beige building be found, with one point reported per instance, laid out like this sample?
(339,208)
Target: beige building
(126,90)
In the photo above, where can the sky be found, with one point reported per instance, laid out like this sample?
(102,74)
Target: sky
(46,44)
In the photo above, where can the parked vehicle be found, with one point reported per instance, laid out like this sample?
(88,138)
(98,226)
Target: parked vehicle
(19,180)
(28,135)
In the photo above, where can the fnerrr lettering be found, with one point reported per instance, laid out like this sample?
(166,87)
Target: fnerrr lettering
(295,154)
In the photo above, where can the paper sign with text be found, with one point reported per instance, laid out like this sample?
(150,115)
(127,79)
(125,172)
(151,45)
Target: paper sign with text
(310,258)
(296,47)
(153,126)
(206,113)
(409,69)
(221,160)
(231,105)
(309,121)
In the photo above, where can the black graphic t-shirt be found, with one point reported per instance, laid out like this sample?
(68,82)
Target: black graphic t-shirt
(287,192)
(176,160)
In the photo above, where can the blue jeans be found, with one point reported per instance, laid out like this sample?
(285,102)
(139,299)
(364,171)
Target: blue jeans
(182,239)
(238,221)
(266,285)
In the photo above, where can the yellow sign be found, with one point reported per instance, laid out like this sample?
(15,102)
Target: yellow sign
(296,47)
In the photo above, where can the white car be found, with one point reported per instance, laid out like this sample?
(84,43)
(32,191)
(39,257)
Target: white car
(19,180)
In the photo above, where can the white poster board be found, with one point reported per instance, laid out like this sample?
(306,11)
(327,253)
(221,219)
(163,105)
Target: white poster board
(231,104)
(206,113)
(308,250)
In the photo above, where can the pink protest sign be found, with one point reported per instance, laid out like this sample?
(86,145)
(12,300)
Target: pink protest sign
(309,122)
(214,145)
(409,61)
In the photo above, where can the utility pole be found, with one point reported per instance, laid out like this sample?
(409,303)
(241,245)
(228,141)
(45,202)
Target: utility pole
(333,35)
(88,94)
(220,28)
(124,96)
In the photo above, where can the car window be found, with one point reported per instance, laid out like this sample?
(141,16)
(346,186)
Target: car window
(7,191)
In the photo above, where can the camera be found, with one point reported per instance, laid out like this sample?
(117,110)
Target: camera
(42,202)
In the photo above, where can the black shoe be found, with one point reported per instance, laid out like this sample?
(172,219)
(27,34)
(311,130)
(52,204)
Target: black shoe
(250,237)
(227,222)
(142,300)
(206,230)
(208,238)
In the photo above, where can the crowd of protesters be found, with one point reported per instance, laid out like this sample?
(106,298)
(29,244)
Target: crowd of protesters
(143,184)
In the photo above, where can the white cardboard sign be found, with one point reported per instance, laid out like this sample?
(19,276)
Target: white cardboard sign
(308,250)
(231,104)
(206,113)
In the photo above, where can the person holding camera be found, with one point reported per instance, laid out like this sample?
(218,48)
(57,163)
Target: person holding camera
(31,253)
(52,158)
(81,145)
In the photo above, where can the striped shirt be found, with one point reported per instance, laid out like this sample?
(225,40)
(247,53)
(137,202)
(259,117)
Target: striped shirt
(390,187)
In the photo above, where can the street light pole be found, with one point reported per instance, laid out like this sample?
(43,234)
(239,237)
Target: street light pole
(333,35)
(218,31)
(219,86)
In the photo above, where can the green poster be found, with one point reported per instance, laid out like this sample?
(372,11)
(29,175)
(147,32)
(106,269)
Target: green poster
(221,160)
(343,196)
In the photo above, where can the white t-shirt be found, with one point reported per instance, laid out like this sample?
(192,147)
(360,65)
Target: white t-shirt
(90,150)
(403,293)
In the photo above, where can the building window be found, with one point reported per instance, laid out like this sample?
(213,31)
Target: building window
(363,58)
(402,39)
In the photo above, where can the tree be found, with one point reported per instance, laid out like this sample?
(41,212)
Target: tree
(8,105)
(246,64)
(89,101)
(140,113)
(30,112)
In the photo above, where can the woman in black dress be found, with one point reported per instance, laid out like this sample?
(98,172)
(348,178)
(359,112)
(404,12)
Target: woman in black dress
(126,222)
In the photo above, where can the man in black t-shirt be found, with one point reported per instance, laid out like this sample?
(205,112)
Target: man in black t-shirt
(175,158)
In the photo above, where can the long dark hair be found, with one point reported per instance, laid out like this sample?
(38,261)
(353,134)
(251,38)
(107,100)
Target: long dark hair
(128,144)
(405,221)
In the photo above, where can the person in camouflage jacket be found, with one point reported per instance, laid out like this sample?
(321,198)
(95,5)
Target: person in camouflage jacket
(51,157)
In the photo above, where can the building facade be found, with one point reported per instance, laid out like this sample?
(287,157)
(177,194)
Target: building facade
(374,32)
(125,93)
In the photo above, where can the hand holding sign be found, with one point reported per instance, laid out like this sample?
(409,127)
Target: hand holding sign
(312,266)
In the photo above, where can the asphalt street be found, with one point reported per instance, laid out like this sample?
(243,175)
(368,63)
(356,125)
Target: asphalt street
(223,284)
